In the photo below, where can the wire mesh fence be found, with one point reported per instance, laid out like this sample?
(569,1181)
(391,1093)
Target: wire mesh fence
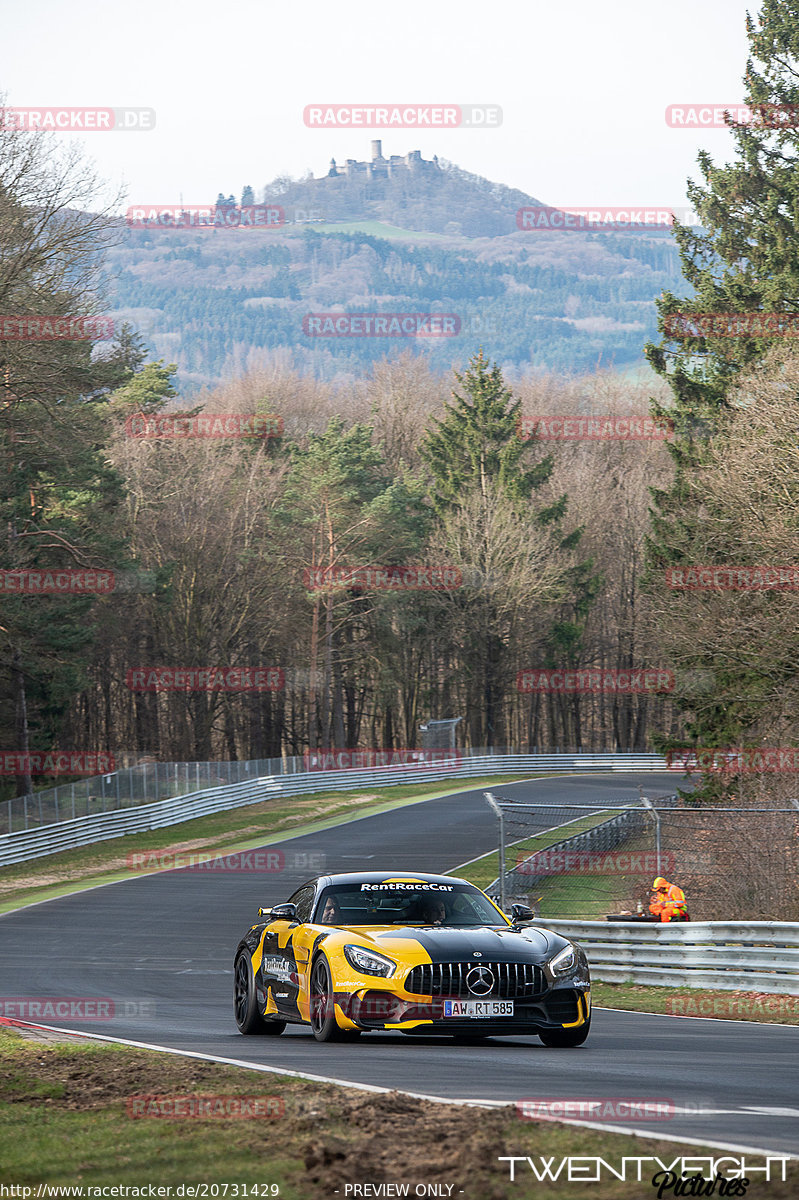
(591,861)
(149,781)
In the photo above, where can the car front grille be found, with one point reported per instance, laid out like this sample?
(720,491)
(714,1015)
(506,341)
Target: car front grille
(512,981)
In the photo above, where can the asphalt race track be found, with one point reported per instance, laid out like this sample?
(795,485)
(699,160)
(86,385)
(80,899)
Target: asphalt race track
(161,946)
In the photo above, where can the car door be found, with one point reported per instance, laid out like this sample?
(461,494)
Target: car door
(280,967)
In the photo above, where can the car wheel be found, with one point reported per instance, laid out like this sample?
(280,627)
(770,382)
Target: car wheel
(245,1004)
(323,1018)
(566,1037)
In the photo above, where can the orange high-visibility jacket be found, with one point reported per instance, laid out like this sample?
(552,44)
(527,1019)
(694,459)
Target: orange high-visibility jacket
(673,906)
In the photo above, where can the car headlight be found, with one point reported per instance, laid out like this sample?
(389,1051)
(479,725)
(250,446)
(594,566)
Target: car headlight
(564,961)
(368,962)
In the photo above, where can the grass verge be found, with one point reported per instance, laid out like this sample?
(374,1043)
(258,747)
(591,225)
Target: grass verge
(237,829)
(66,1120)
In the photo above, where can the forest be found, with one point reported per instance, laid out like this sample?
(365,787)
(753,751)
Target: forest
(392,536)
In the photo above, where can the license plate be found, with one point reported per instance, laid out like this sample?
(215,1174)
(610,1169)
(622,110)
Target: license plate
(478,1008)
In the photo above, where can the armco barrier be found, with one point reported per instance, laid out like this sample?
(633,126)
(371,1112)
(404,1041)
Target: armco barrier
(751,956)
(66,835)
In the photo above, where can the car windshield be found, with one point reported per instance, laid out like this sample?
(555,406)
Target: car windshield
(399,903)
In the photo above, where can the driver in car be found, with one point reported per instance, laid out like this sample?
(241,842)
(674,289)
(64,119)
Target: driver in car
(434,911)
(331,913)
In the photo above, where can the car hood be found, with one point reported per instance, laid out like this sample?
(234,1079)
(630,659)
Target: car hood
(448,945)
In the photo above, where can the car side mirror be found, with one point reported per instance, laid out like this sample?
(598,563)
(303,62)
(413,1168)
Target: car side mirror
(284,912)
(521,912)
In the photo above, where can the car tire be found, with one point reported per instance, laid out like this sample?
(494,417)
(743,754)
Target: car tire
(320,1003)
(566,1037)
(245,1003)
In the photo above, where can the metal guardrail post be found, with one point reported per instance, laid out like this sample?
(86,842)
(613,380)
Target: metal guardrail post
(493,804)
(649,805)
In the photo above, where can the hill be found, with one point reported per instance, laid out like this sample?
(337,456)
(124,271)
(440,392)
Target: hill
(217,301)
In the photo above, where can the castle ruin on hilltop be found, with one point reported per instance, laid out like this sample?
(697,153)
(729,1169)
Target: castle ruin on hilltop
(383,168)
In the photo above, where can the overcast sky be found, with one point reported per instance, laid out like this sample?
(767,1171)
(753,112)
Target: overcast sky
(583,86)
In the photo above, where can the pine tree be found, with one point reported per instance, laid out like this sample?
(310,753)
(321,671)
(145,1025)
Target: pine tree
(744,256)
(477,448)
(477,443)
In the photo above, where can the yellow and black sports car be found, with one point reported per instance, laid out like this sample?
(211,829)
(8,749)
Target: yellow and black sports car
(414,953)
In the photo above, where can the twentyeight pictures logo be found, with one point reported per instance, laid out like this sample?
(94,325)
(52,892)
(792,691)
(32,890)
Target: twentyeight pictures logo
(77,120)
(402,116)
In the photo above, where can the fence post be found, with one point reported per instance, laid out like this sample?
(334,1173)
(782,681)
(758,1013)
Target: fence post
(493,804)
(648,804)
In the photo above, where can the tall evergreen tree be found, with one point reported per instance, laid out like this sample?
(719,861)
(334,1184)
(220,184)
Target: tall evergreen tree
(476,448)
(744,255)
(477,443)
